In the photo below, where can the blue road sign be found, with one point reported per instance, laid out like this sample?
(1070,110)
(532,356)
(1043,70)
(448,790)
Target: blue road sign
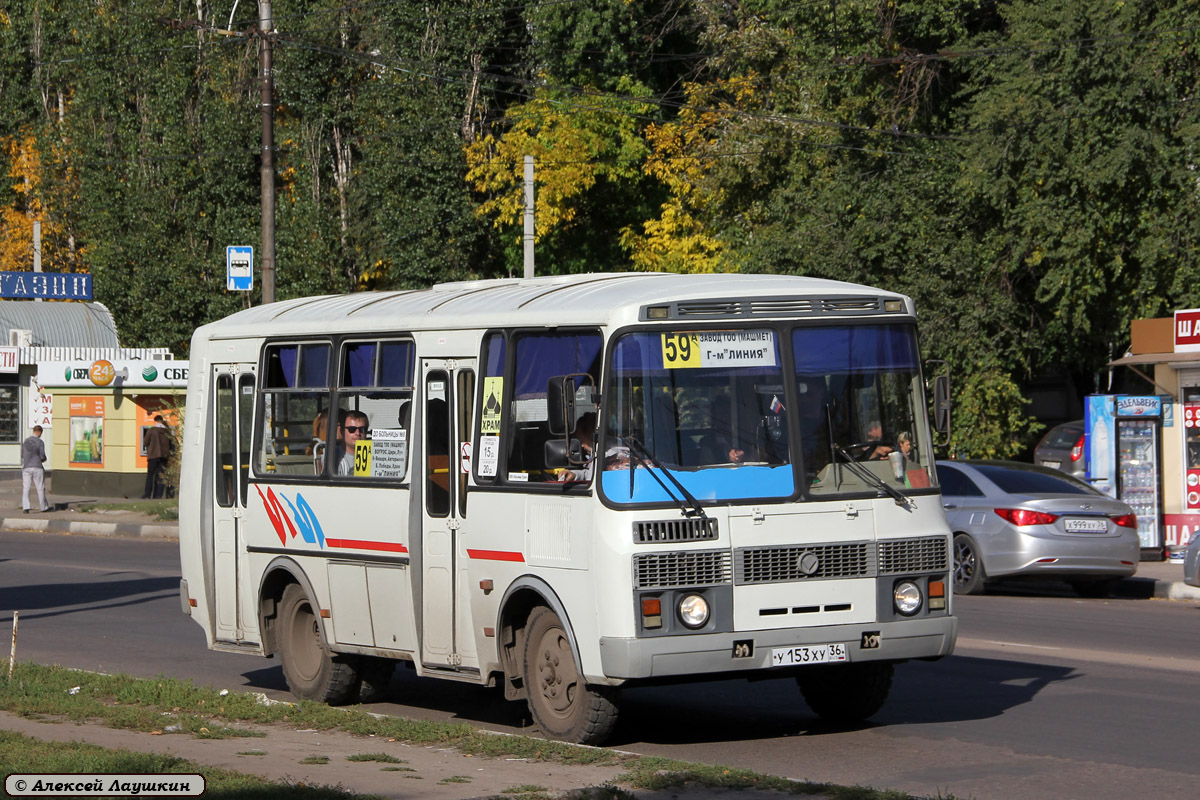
(239,268)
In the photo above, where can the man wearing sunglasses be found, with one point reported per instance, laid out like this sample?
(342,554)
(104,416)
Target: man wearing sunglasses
(354,428)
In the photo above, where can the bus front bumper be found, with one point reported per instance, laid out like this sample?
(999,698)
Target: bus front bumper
(715,653)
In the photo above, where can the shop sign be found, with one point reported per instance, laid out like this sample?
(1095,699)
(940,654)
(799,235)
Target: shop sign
(53,285)
(1187,331)
(41,406)
(1139,406)
(1179,529)
(10,360)
(113,374)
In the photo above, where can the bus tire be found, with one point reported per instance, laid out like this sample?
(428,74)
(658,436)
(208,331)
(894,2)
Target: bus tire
(311,670)
(562,705)
(375,675)
(846,693)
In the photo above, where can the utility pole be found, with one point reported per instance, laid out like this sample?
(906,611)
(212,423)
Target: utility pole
(37,249)
(528,238)
(267,103)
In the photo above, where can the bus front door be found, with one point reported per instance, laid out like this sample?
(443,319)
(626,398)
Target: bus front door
(447,637)
(233,412)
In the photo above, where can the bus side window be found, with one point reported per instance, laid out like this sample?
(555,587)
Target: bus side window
(437,444)
(540,356)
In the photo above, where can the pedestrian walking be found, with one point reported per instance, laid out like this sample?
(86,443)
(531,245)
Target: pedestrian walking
(158,450)
(33,470)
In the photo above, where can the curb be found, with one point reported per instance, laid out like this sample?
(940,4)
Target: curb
(83,527)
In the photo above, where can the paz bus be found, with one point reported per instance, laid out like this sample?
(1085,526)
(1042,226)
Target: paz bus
(563,486)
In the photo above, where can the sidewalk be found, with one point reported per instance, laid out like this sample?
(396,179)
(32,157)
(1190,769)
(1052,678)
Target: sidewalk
(1159,579)
(68,518)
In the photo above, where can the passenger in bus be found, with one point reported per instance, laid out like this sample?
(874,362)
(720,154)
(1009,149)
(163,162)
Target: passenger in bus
(354,428)
(585,434)
(904,442)
(320,426)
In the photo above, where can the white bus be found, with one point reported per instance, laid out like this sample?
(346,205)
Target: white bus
(568,485)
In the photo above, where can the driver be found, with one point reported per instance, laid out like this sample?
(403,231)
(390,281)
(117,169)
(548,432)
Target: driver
(875,434)
(814,423)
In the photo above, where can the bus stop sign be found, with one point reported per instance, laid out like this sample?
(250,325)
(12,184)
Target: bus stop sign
(239,268)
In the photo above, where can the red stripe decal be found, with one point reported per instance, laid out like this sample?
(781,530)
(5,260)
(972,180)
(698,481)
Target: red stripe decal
(496,555)
(359,544)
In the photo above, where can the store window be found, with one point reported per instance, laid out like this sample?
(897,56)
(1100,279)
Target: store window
(10,409)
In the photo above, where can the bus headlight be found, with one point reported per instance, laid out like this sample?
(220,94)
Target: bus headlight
(693,611)
(907,597)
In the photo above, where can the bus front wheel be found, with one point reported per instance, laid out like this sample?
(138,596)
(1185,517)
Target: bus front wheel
(312,672)
(563,706)
(845,693)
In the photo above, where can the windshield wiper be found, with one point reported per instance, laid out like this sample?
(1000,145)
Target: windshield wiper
(862,472)
(870,477)
(691,508)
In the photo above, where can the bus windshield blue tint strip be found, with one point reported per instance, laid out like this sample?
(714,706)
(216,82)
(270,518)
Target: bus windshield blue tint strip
(721,483)
(854,348)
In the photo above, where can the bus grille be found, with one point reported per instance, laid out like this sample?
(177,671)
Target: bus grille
(674,530)
(813,562)
(692,568)
(898,556)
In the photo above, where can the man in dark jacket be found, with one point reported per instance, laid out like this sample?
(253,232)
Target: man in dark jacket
(158,450)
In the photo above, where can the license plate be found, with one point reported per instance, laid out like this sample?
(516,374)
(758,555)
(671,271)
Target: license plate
(1085,526)
(808,654)
(1052,464)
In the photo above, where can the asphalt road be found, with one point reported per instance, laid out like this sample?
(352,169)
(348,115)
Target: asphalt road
(1047,695)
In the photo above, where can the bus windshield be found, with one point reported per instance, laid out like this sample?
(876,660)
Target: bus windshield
(714,410)
(858,397)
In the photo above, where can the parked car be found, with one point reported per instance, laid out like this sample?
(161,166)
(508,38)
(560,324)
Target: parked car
(1191,562)
(1062,449)
(1013,520)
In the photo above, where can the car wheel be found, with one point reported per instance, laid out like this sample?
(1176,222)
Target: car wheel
(844,693)
(969,575)
(1095,587)
(563,706)
(311,670)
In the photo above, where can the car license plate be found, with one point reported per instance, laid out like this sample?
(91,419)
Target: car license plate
(808,654)
(1052,464)
(1085,525)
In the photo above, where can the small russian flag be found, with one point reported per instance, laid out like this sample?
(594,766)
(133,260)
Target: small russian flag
(776,406)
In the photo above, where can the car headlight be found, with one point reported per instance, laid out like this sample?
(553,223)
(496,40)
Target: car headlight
(907,597)
(693,611)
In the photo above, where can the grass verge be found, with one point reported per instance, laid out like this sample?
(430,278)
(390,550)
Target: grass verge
(24,754)
(164,509)
(172,706)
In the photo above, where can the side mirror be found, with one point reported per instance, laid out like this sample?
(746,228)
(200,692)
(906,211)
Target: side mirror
(556,453)
(569,397)
(941,402)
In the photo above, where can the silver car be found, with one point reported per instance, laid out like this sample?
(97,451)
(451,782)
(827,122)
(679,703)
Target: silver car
(1062,448)
(1022,520)
(1191,562)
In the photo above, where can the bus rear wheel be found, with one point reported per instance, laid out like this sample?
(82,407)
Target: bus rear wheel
(845,693)
(311,670)
(563,706)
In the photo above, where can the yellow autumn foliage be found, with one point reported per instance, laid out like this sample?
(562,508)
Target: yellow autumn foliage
(576,140)
(683,153)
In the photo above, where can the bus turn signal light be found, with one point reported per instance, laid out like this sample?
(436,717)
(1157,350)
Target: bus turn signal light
(651,612)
